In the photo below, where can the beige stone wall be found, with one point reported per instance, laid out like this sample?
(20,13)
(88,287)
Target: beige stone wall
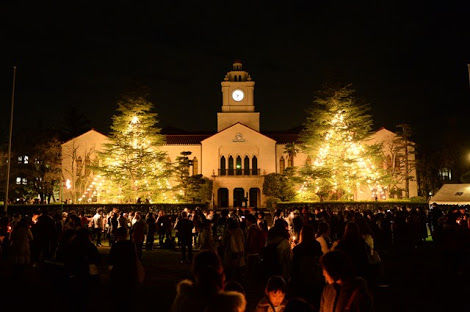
(386,138)
(174,150)
(234,141)
(225,120)
(88,143)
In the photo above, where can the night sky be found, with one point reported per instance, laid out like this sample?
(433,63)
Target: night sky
(408,62)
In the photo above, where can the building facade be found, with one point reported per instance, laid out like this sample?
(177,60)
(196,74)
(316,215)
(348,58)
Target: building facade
(236,157)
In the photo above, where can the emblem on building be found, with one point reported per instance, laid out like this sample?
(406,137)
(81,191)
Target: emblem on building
(238,138)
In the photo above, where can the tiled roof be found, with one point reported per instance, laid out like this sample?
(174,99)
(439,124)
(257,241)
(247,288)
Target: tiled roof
(283,137)
(183,139)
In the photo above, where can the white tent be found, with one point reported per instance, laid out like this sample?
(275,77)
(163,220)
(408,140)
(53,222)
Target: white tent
(452,194)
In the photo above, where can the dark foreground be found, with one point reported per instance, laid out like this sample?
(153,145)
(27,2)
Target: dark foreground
(415,280)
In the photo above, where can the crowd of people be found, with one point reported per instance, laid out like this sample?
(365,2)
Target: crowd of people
(320,260)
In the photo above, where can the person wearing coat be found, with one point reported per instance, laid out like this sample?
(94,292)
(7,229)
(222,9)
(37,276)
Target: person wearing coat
(344,291)
(20,242)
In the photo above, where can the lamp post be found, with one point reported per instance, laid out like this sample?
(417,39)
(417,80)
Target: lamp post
(9,140)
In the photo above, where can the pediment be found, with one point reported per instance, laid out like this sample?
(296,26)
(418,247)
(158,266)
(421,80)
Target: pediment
(238,134)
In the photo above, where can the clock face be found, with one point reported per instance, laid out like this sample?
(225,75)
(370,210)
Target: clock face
(238,95)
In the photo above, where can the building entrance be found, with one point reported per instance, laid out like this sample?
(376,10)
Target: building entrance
(254,197)
(238,197)
(222,198)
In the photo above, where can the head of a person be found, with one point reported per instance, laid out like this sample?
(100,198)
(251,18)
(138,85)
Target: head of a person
(208,271)
(298,305)
(336,267)
(250,219)
(227,301)
(352,232)
(281,223)
(323,229)
(99,211)
(307,234)
(276,288)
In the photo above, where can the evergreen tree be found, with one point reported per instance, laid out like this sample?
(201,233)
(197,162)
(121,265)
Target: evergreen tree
(190,188)
(132,164)
(335,137)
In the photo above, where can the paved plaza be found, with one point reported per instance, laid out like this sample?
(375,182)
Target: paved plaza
(414,281)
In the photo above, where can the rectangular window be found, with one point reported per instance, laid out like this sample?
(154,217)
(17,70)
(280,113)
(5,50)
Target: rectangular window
(24,181)
(20,159)
(25,159)
(18,180)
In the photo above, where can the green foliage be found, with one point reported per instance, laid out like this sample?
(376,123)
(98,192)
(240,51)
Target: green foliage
(335,137)
(190,188)
(132,164)
(279,186)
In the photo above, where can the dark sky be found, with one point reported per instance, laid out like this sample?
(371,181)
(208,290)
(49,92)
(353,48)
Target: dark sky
(407,59)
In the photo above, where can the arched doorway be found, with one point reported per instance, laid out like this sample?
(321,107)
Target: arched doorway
(254,197)
(238,197)
(222,198)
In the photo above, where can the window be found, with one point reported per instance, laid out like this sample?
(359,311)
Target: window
(222,166)
(25,159)
(290,161)
(282,165)
(397,162)
(239,165)
(79,165)
(20,159)
(195,166)
(230,165)
(246,166)
(254,166)
(445,174)
(308,161)
(20,180)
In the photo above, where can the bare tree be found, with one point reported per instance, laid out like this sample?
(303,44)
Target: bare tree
(79,171)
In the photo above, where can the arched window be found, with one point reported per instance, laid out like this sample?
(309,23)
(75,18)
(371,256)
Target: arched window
(282,165)
(240,78)
(397,162)
(308,161)
(290,161)
(195,166)
(246,166)
(254,166)
(87,165)
(239,165)
(230,165)
(79,166)
(235,78)
(222,166)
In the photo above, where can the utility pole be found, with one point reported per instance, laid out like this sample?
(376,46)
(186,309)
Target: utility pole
(9,140)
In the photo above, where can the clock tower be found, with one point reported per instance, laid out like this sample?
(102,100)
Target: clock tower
(237,100)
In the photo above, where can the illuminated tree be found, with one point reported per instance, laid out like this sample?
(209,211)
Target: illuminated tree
(335,137)
(132,164)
